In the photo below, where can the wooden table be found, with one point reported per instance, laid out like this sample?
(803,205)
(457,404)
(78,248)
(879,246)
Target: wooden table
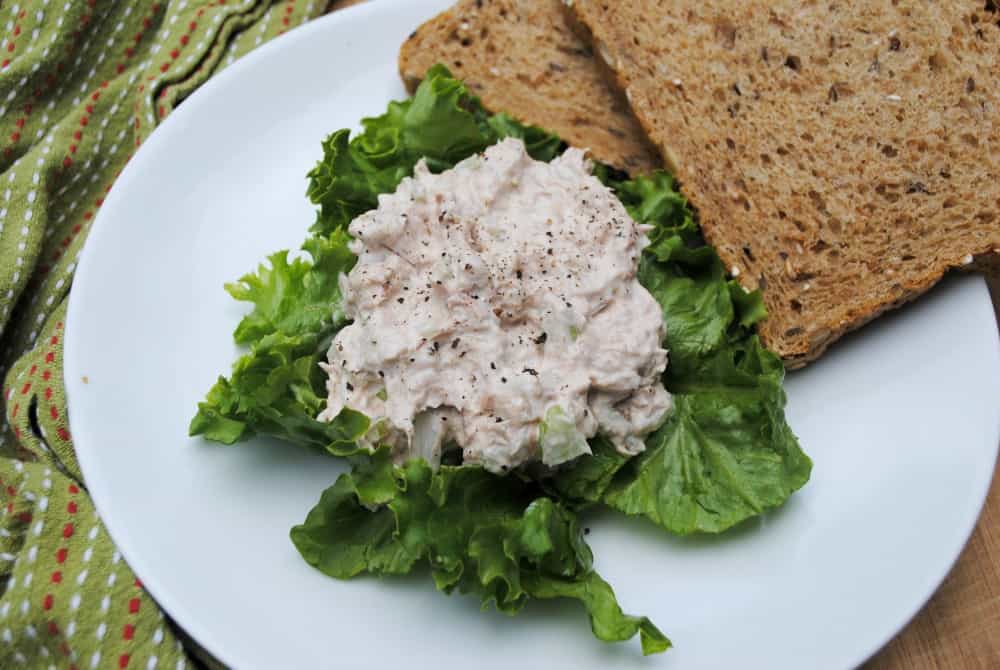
(959,629)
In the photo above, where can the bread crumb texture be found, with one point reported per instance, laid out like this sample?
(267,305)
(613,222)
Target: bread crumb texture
(842,156)
(520,56)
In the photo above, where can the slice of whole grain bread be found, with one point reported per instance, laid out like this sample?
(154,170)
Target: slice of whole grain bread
(842,156)
(521,57)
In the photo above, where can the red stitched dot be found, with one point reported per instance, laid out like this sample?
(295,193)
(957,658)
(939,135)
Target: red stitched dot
(286,21)
(90,109)
(56,577)
(174,54)
(77,228)
(133,605)
(123,661)
(10,508)
(74,489)
(99,202)
(87,215)
(11,491)
(63,434)
(120,68)
(53,412)
(14,413)
(20,122)
(53,628)
(26,388)
(15,136)
(61,555)
(184,40)
(34,369)
(17,30)
(10,46)
(17,433)
(129,632)
(64,648)
(129,52)
(192,26)
(5,63)
(47,603)
(24,517)
(67,161)
(138,582)
(83,120)
(55,340)
(49,357)
(46,375)
(48,393)
(164,67)
(146,23)
(27,108)
(71,507)
(72,148)
(68,531)
(95,95)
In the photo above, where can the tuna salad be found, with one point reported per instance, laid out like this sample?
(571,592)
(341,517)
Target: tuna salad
(496,309)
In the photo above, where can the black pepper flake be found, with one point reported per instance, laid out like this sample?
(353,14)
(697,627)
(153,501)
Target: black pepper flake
(586,531)
(399,300)
(541,338)
(503,379)
(550,251)
(468,267)
(499,419)
(381,374)
(531,371)
(518,274)
(462,355)
(412,360)
(454,343)
(349,387)
(493,366)
(435,347)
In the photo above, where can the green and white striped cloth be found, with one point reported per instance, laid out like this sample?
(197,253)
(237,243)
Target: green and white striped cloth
(82,84)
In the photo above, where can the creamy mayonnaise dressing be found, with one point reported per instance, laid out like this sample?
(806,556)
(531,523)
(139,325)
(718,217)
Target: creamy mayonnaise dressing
(496,307)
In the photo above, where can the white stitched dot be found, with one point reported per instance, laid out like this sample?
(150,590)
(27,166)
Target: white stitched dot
(87,553)
(27,579)
(112,578)
(92,534)
(70,628)
(82,577)
(30,631)
(25,606)
(151,663)
(74,602)
(158,636)
(105,603)
(101,631)
(43,504)
(95,659)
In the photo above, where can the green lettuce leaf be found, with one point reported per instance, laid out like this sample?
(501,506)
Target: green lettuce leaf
(726,454)
(278,388)
(479,533)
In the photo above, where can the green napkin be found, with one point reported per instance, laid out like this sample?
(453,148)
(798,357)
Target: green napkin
(82,84)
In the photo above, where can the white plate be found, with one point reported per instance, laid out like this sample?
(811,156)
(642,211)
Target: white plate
(902,421)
